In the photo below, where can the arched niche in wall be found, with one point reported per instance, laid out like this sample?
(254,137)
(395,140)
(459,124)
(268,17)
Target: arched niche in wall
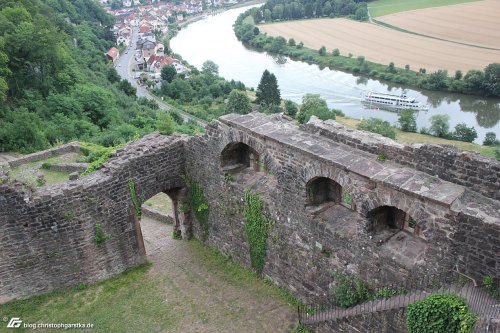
(238,156)
(322,190)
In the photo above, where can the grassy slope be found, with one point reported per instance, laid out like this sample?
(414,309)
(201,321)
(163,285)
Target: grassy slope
(385,7)
(406,137)
(135,300)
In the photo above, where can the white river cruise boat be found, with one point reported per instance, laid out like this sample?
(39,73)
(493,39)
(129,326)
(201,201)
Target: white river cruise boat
(393,101)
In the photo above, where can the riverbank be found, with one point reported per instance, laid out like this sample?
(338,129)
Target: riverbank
(295,49)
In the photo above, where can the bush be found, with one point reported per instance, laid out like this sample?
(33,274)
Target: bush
(464,133)
(407,121)
(440,313)
(490,139)
(379,126)
(497,153)
(165,123)
(348,291)
(439,125)
(336,52)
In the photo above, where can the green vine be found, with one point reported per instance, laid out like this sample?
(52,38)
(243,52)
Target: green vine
(133,195)
(199,203)
(100,236)
(257,230)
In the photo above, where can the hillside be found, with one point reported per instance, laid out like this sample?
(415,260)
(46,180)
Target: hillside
(56,85)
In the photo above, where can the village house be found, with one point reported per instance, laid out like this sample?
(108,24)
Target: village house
(113,54)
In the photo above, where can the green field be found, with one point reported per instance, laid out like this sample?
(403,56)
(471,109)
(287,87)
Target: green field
(385,7)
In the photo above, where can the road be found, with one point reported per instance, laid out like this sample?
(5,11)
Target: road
(124,67)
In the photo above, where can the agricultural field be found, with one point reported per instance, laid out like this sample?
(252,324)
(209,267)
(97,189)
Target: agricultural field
(474,23)
(384,45)
(385,7)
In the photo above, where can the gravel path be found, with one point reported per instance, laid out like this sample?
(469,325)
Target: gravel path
(213,300)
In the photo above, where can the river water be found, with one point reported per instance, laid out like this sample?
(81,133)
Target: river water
(213,39)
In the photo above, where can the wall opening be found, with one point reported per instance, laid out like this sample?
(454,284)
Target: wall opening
(239,156)
(389,220)
(323,190)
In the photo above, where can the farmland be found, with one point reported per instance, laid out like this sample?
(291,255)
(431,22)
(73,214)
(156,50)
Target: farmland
(474,23)
(385,7)
(383,45)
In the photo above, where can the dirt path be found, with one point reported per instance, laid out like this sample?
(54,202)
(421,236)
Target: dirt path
(213,300)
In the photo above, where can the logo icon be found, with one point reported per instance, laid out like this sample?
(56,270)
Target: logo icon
(14,323)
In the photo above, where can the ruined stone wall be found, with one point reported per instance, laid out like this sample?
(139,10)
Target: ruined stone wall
(46,236)
(303,247)
(466,168)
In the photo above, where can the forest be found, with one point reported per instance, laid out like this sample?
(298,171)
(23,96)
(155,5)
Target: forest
(56,85)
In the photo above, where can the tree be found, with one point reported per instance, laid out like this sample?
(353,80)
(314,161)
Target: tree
(439,125)
(168,73)
(322,51)
(490,139)
(464,133)
(492,79)
(268,92)
(291,42)
(278,44)
(407,121)
(165,124)
(336,52)
(291,108)
(458,75)
(238,102)
(127,88)
(379,126)
(211,68)
(314,105)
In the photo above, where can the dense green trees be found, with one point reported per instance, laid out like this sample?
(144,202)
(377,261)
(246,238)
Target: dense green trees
(55,83)
(379,126)
(285,10)
(168,73)
(268,93)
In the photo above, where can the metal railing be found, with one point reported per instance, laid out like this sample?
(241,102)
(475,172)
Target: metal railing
(399,296)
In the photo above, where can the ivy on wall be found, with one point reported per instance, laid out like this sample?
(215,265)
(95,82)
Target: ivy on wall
(257,230)
(198,202)
(133,195)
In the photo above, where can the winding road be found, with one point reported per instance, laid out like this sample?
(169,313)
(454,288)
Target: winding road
(124,67)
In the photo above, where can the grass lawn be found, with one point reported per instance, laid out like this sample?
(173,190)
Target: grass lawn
(161,201)
(143,300)
(385,7)
(407,137)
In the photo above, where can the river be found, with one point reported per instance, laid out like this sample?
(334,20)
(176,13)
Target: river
(213,39)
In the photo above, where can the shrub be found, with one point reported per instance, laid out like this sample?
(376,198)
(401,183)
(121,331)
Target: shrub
(440,313)
(407,121)
(379,126)
(165,123)
(464,133)
(348,291)
(336,52)
(490,139)
(322,51)
(439,125)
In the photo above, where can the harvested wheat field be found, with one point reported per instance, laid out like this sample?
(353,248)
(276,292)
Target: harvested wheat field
(383,45)
(474,23)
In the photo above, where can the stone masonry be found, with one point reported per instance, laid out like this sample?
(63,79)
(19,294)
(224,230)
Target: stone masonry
(331,202)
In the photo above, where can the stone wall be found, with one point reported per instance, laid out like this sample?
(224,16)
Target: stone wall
(46,235)
(45,154)
(466,168)
(306,243)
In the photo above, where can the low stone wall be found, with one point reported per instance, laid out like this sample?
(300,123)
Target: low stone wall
(69,167)
(157,214)
(470,169)
(45,154)
(390,321)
